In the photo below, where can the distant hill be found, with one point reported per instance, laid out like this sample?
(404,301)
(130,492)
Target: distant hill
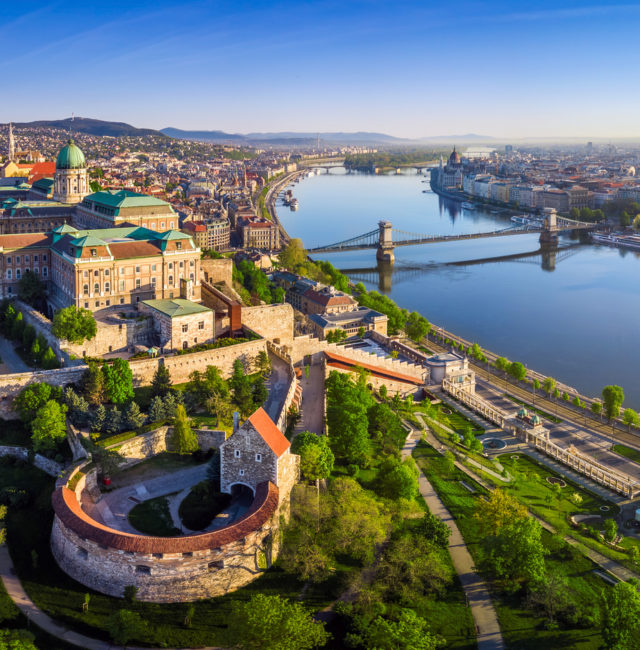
(467,137)
(91,127)
(284,137)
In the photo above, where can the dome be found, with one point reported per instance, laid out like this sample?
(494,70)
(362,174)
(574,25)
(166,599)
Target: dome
(70,157)
(454,158)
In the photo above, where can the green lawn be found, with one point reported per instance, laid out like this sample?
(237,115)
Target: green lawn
(521,628)
(152,517)
(627,452)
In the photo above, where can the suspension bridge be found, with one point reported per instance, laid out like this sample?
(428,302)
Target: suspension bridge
(386,238)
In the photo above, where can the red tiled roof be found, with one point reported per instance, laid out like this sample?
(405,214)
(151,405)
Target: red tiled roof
(24,240)
(338,361)
(326,298)
(126,249)
(71,514)
(270,433)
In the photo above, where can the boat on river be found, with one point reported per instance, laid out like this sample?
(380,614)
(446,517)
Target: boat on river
(616,239)
(468,206)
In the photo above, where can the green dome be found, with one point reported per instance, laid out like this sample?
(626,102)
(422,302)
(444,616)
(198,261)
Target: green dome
(70,157)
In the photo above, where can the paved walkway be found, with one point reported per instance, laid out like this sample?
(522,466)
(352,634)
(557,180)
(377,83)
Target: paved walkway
(484,615)
(312,408)
(11,362)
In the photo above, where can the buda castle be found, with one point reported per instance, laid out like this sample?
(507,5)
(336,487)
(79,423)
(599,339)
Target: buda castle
(94,250)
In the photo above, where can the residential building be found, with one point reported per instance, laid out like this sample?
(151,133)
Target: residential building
(349,322)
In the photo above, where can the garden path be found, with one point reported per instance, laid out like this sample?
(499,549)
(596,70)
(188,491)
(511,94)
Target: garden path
(489,636)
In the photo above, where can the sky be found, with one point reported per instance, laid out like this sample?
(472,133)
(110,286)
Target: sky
(410,69)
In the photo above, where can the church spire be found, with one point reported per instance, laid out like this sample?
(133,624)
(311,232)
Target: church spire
(12,143)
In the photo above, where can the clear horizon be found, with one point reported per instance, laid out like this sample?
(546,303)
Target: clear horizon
(411,70)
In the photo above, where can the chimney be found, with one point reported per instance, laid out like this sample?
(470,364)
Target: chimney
(236,421)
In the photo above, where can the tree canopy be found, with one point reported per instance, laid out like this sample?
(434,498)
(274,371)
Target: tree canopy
(612,398)
(118,381)
(316,457)
(74,324)
(49,426)
(184,439)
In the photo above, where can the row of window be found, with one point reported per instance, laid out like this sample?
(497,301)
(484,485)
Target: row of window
(9,260)
(121,285)
(36,270)
(185,327)
(237,454)
(122,270)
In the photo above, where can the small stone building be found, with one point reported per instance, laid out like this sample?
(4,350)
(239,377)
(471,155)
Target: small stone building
(258,452)
(179,323)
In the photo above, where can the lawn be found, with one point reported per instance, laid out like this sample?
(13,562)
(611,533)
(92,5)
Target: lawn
(627,452)
(521,628)
(152,517)
(163,463)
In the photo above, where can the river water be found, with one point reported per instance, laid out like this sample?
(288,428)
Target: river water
(573,314)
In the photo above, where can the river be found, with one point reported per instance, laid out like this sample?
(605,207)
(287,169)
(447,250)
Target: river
(574,315)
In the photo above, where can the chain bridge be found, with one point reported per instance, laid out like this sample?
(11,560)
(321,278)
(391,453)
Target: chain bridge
(386,238)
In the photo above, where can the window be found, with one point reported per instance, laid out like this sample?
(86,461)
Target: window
(190,276)
(35,258)
(153,282)
(8,274)
(137,269)
(122,301)
(44,258)
(201,325)
(9,290)
(191,264)
(137,283)
(17,259)
(96,288)
(122,270)
(45,271)
(107,303)
(121,285)
(94,252)
(8,260)
(82,552)
(162,225)
(236,453)
(107,287)
(85,274)
(170,294)
(187,554)
(85,289)
(170,265)
(36,271)
(159,556)
(106,271)
(258,458)
(178,247)
(153,267)
(185,345)
(86,305)
(97,303)
(185,328)
(170,280)
(17,274)
(141,568)
(171,224)
(241,472)
(181,265)
(96,273)
(26,259)
(153,225)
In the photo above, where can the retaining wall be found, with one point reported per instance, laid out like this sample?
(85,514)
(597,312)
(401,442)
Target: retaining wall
(41,462)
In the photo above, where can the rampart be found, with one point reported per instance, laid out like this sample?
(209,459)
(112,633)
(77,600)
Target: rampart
(41,462)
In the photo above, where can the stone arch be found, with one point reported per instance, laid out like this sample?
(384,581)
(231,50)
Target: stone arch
(237,492)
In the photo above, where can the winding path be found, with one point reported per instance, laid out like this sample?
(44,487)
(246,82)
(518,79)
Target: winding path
(484,614)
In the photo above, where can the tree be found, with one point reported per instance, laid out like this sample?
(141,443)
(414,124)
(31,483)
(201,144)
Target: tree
(630,418)
(31,289)
(548,385)
(161,382)
(408,632)
(49,360)
(124,625)
(596,408)
(517,553)
(550,594)
(17,640)
(517,370)
(35,352)
(183,439)
(92,383)
(636,222)
(417,327)
(241,388)
(219,406)
(347,406)
(565,396)
(78,407)
(202,385)
(316,457)
(398,480)
(113,421)
(435,530)
(612,398)
(620,615)
(118,381)
(498,511)
(31,398)
(49,426)
(133,418)
(156,410)
(74,324)
(7,319)
(263,363)
(293,255)
(450,461)
(259,392)
(610,530)
(275,623)
(98,418)
(28,337)
(17,327)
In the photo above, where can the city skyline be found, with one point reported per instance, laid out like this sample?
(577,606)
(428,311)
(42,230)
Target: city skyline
(411,70)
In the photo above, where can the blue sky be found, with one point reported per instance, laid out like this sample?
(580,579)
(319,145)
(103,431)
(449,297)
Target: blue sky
(506,69)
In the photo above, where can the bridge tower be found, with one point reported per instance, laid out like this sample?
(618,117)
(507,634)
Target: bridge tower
(549,234)
(385,243)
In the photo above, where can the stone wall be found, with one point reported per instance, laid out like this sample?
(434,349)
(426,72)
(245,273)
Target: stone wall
(175,569)
(273,322)
(147,445)
(220,270)
(170,334)
(180,366)
(41,462)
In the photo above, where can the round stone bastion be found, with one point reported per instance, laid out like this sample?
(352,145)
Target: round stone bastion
(164,569)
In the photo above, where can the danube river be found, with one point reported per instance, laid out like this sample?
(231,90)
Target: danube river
(573,314)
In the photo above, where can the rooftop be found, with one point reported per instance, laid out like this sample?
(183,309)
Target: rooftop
(177,307)
(269,432)
(125,199)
